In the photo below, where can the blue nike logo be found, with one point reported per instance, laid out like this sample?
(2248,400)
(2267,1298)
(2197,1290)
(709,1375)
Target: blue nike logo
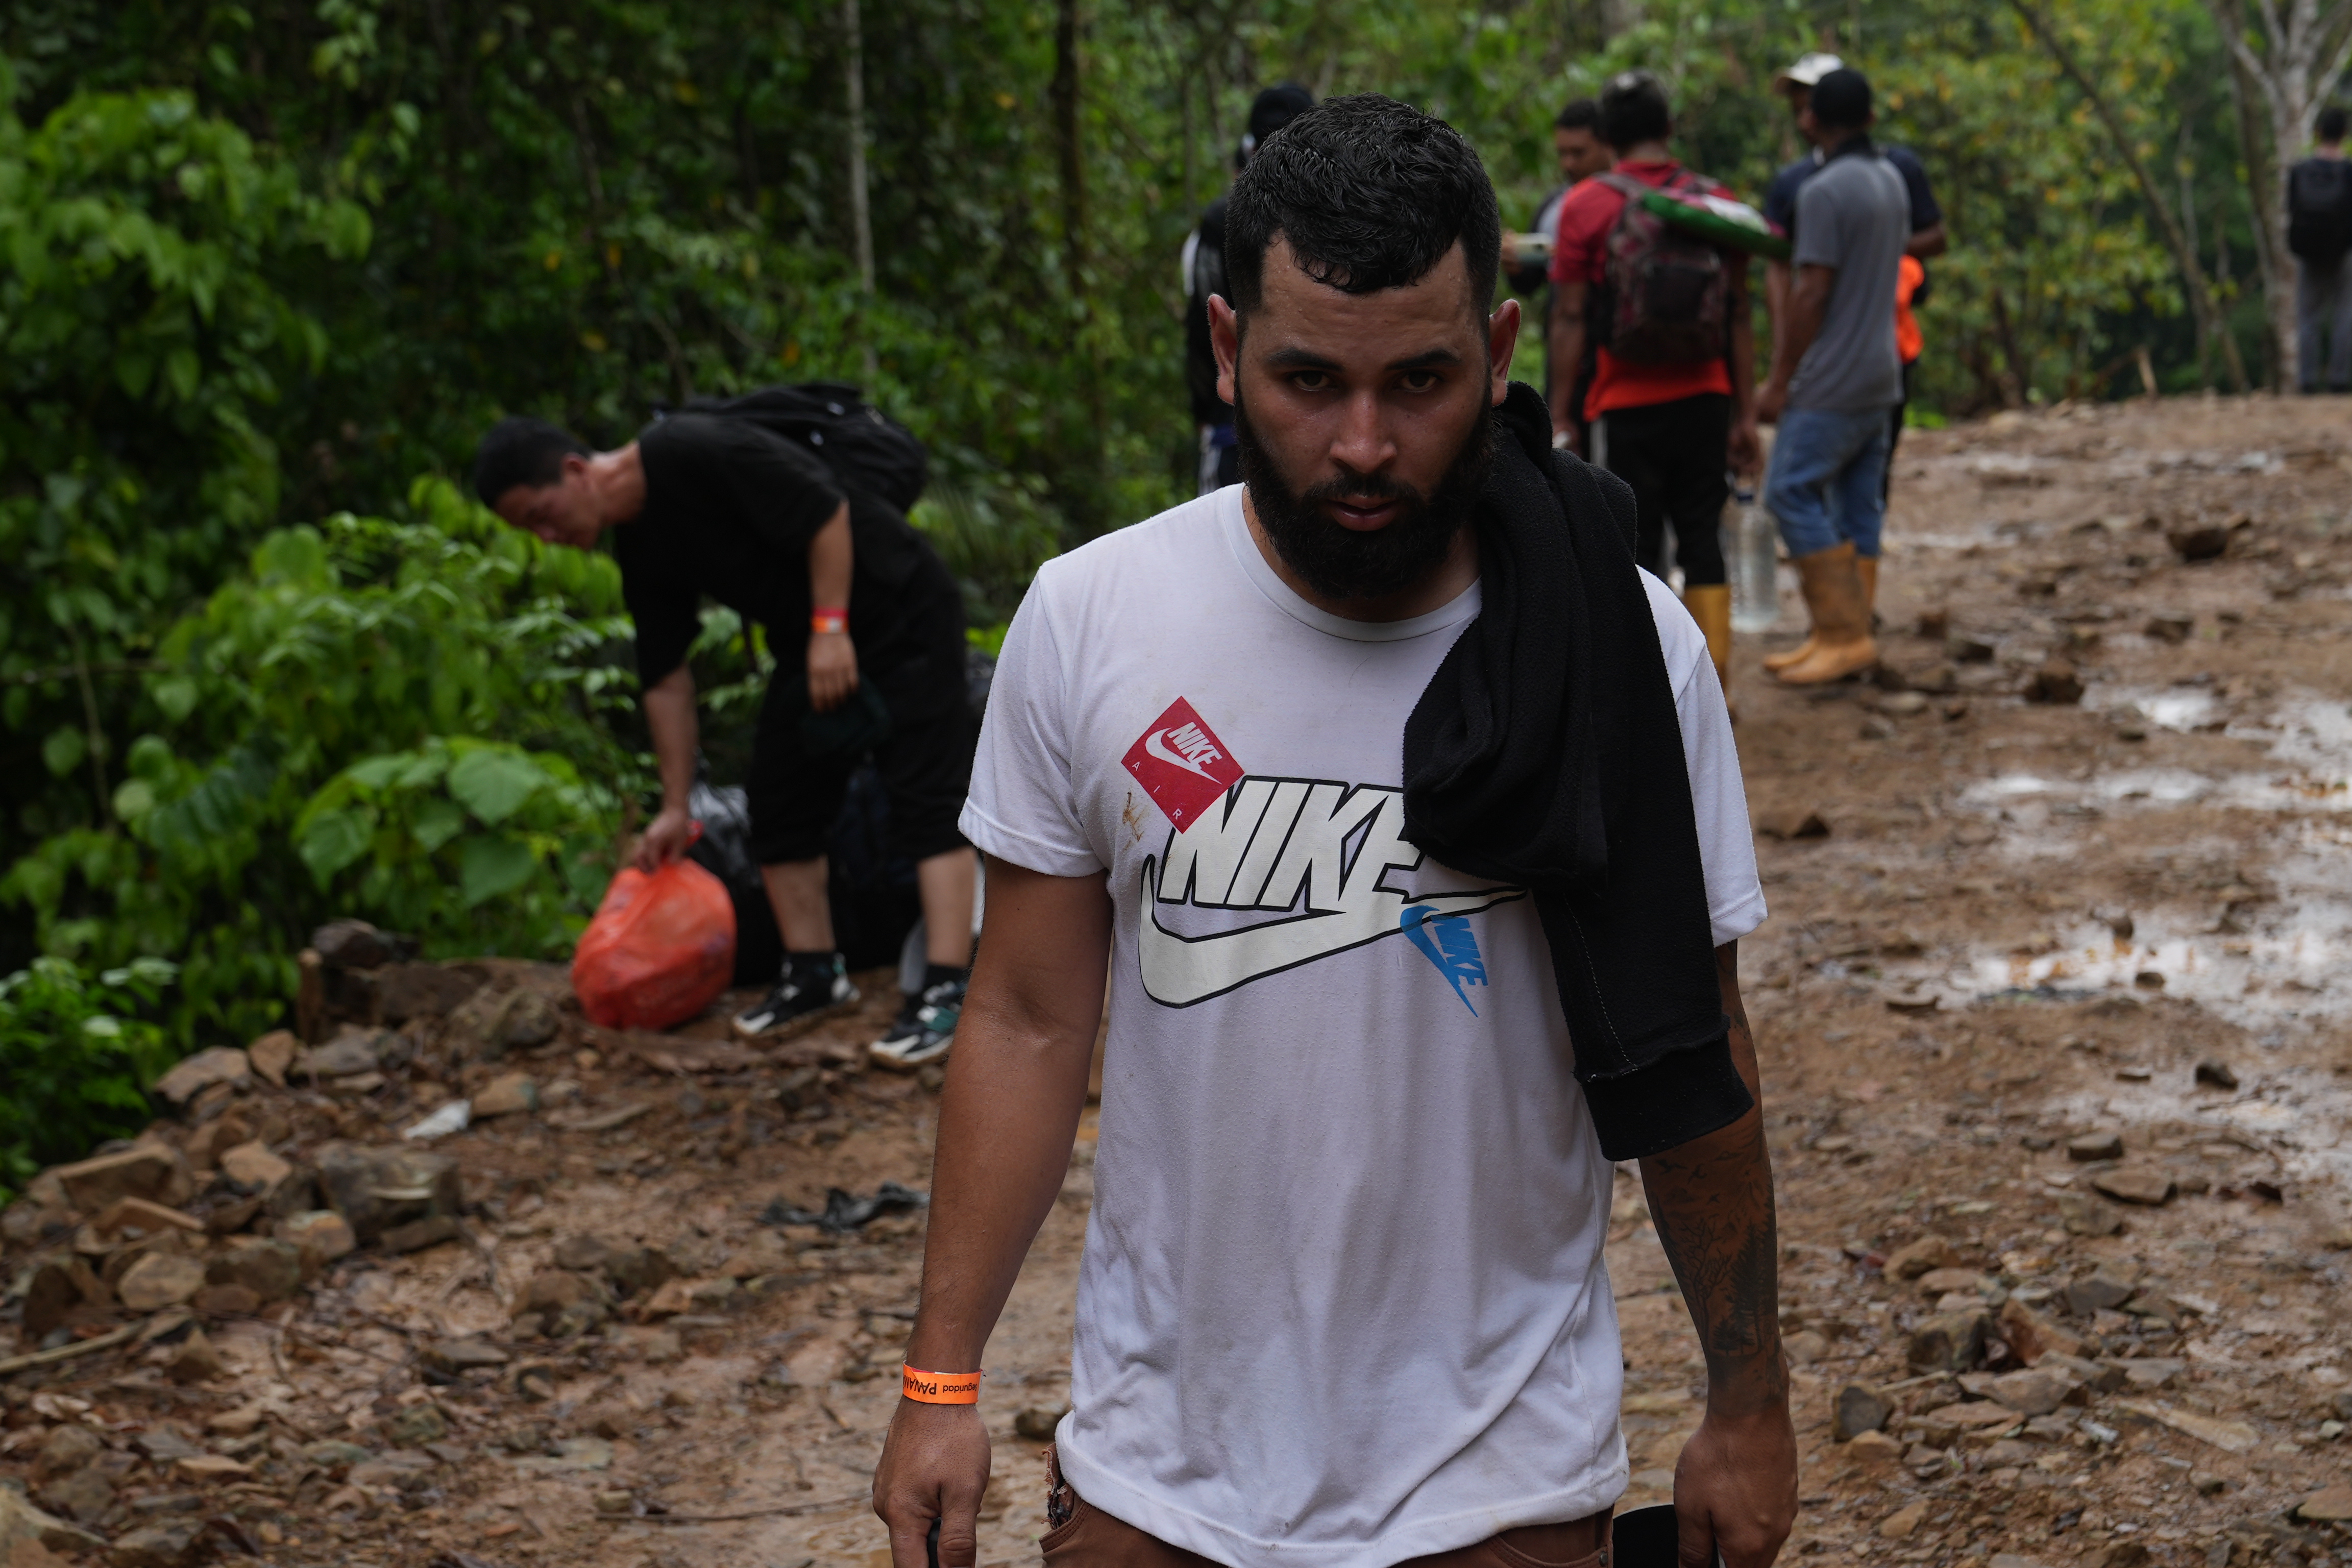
(1447,942)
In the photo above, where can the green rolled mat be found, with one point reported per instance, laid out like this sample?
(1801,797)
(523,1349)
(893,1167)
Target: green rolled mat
(1720,221)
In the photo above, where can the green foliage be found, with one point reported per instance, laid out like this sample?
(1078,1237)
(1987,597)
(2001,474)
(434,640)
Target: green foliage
(474,845)
(993,543)
(391,718)
(77,1052)
(268,262)
(147,341)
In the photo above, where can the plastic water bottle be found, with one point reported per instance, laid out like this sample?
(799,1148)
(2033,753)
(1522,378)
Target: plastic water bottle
(1755,563)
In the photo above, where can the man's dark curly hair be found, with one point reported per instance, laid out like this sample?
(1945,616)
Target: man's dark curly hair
(521,451)
(1371,194)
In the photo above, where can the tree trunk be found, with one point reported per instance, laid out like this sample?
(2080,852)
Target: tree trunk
(2185,166)
(2192,275)
(861,222)
(1086,499)
(1065,95)
(2019,380)
(2287,133)
(2261,198)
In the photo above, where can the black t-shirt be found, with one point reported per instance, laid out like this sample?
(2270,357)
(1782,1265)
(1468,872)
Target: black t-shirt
(1206,275)
(1780,198)
(729,510)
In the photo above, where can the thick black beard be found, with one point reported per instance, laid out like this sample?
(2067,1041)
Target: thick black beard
(1341,563)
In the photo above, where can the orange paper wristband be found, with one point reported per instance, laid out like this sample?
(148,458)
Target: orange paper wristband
(941,1387)
(829,621)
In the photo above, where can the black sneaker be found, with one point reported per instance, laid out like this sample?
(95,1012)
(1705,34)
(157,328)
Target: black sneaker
(924,1029)
(808,992)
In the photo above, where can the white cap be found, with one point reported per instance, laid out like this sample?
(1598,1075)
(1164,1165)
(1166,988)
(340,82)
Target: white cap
(1807,71)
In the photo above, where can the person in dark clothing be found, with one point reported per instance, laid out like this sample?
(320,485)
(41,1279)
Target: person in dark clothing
(1205,274)
(1928,240)
(1576,143)
(2319,234)
(1526,257)
(702,505)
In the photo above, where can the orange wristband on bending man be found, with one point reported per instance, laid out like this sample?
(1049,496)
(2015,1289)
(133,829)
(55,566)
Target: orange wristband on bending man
(825,621)
(941,1387)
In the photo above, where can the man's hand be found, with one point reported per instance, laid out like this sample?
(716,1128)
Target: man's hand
(1711,1199)
(935,1465)
(1795,325)
(1746,448)
(1736,1489)
(832,669)
(667,838)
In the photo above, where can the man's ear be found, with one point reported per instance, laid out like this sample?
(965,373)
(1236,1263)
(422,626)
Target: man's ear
(573,466)
(1225,340)
(1502,342)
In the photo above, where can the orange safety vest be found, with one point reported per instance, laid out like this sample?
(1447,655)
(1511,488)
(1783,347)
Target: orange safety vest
(1907,278)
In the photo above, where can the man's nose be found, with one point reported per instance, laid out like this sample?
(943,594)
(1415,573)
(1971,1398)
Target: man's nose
(1363,443)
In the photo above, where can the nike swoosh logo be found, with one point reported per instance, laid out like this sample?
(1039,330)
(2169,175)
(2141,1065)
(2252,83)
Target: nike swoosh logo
(1156,744)
(1179,971)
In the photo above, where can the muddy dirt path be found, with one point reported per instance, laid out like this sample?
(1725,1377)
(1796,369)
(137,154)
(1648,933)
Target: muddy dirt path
(2057,1037)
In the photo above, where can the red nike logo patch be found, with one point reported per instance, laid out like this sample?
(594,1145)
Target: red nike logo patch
(1181,764)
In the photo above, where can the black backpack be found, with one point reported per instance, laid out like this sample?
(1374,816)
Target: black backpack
(2320,211)
(865,447)
(1665,296)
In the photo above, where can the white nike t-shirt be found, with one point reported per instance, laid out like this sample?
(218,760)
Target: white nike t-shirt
(1343,1300)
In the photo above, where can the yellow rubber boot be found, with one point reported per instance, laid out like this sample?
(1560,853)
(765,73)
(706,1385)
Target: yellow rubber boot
(1710,606)
(1843,645)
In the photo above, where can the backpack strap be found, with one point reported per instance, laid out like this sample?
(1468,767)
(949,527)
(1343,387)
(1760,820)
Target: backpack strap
(1625,185)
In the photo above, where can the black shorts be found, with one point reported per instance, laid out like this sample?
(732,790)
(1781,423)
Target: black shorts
(924,760)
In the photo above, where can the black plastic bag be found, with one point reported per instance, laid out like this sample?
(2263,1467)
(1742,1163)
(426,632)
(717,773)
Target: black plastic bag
(725,851)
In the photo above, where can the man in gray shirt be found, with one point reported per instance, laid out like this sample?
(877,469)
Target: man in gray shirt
(1835,375)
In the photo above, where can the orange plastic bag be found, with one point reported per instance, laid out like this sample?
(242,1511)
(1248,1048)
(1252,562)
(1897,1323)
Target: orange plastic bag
(660,950)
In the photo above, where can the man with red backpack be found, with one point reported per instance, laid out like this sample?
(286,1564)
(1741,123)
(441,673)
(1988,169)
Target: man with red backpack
(1671,405)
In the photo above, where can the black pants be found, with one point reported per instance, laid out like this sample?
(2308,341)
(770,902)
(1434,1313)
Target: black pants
(1673,454)
(1894,434)
(916,663)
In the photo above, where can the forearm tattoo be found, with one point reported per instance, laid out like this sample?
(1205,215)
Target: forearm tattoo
(1711,1200)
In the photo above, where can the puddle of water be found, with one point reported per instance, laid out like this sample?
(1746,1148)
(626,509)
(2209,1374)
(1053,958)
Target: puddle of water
(2308,739)
(2165,786)
(2288,968)
(2315,733)
(2010,786)
(2300,1112)
(2182,711)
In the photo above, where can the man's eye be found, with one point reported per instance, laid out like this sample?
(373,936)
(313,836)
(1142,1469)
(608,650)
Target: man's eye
(1310,380)
(1420,379)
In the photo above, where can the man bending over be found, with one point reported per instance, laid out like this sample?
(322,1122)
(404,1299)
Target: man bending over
(706,503)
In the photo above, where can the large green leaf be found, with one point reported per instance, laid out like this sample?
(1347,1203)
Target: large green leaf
(332,841)
(491,866)
(438,822)
(64,749)
(494,782)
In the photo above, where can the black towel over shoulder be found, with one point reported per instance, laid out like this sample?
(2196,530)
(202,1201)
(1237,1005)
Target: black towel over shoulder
(1547,751)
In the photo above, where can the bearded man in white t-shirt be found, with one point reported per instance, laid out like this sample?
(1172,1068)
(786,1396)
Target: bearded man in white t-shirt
(1402,811)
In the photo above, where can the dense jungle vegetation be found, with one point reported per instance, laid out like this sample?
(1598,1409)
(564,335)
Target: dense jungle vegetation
(268,269)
